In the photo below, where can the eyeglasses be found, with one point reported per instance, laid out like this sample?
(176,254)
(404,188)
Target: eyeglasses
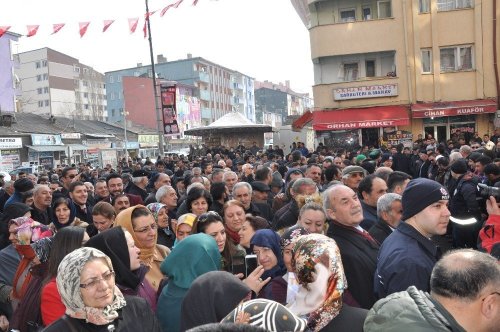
(95,282)
(153,227)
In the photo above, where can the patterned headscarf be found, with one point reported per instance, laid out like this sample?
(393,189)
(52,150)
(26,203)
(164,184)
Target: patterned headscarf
(68,285)
(292,234)
(155,208)
(269,315)
(42,248)
(318,266)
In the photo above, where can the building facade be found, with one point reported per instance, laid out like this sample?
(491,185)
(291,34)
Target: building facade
(55,84)
(219,90)
(387,67)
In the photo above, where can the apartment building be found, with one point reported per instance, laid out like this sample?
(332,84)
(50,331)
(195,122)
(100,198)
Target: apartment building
(219,90)
(387,70)
(8,80)
(56,84)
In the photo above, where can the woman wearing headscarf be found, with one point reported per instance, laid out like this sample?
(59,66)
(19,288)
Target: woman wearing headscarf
(195,255)
(63,214)
(65,241)
(267,314)
(214,295)
(266,245)
(287,241)
(317,263)
(10,212)
(184,227)
(166,235)
(140,223)
(85,280)
(130,274)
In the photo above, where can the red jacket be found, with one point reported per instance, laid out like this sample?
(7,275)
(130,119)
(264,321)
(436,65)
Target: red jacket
(51,305)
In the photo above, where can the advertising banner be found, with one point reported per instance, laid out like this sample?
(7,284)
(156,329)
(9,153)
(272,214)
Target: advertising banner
(168,110)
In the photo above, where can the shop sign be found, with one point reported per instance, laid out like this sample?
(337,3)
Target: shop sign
(97,144)
(11,143)
(360,124)
(453,109)
(46,139)
(360,92)
(148,140)
(108,157)
(9,160)
(70,135)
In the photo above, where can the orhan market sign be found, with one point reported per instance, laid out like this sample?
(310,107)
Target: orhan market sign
(360,92)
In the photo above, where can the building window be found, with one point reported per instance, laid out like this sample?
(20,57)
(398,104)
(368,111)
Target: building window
(456,58)
(348,15)
(39,91)
(113,112)
(427,61)
(85,70)
(85,83)
(367,13)
(46,89)
(38,78)
(424,6)
(111,79)
(446,5)
(112,96)
(44,63)
(46,103)
(40,103)
(85,95)
(370,68)
(76,69)
(350,71)
(86,106)
(45,77)
(384,8)
(119,78)
(38,65)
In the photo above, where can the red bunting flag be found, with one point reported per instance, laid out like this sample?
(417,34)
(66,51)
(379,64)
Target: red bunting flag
(177,4)
(107,23)
(147,15)
(56,27)
(83,28)
(4,29)
(32,30)
(164,10)
(195,2)
(132,23)
(144,28)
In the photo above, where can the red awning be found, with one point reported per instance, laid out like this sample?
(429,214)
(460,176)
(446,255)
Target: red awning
(452,108)
(354,118)
(302,121)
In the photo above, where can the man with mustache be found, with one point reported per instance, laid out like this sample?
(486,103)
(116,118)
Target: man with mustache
(358,249)
(408,255)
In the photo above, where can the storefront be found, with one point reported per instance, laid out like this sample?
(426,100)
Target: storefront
(349,128)
(10,153)
(148,146)
(456,119)
(46,150)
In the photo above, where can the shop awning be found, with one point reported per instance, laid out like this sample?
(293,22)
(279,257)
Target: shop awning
(453,108)
(354,118)
(77,147)
(47,148)
(302,121)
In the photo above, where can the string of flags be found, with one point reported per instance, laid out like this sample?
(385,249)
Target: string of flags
(133,22)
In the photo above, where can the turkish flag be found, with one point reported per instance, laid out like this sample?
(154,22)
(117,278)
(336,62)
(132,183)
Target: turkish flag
(195,2)
(32,30)
(83,28)
(132,23)
(4,29)
(56,27)
(107,23)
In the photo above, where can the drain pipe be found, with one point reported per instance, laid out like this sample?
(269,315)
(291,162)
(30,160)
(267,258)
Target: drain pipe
(495,52)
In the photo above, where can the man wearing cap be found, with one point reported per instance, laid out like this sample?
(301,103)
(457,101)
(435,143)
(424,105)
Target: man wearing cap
(352,176)
(408,255)
(386,160)
(139,184)
(464,205)
(260,192)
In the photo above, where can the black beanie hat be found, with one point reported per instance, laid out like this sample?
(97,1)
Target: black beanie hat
(419,194)
(23,185)
(459,166)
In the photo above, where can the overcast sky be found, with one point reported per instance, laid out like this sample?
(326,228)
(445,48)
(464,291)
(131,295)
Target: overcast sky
(264,39)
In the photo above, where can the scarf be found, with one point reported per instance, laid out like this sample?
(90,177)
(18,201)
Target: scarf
(124,219)
(235,237)
(68,285)
(72,213)
(270,239)
(317,262)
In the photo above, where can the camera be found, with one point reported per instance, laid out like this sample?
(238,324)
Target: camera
(487,191)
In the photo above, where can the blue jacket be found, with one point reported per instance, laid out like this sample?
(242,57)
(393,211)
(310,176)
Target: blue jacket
(405,259)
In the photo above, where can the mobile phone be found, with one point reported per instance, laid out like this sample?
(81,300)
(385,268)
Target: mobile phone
(250,264)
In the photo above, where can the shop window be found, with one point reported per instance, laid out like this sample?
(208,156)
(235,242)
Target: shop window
(427,61)
(424,6)
(456,58)
(350,71)
(370,68)
(384,8)
(446,5)
(367,13)
(348,15)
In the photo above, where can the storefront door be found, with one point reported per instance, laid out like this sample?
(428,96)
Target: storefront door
(370,136)
(439,132)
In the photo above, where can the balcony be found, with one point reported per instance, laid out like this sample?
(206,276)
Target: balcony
(205,95)
(206,113)
(204,77)
(238,101)
(238,86)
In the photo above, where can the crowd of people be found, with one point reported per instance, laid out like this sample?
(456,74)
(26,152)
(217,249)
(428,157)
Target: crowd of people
(251,239)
